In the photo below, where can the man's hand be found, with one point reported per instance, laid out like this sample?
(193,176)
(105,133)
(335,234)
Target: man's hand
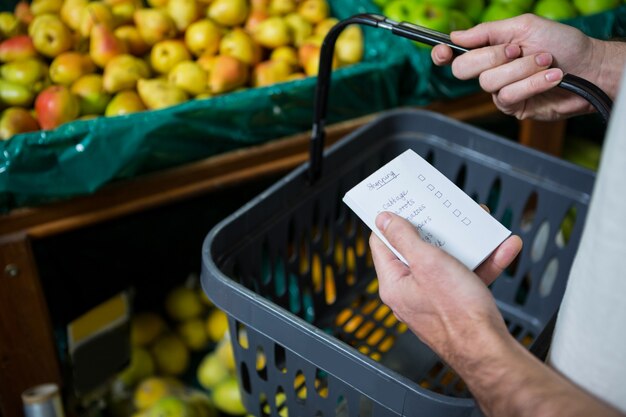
(440,300)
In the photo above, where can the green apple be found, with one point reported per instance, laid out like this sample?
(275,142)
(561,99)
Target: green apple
(399,10)
(523,5)
(459,20)
(472,8)
(555,9)
(431,16)
(587,7)
(497,11)
(449,4)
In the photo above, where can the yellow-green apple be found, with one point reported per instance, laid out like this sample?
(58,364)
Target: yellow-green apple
(203,37)
(227,73)
(555,9)
(23,13)
(122,73)
(17,48)
(10,25)
(522,5)
(124,102)
(323,27)
(500,11)
(239,43)
(349,45)
(50,35)
(228,12)
(15,94)
(56,105)
(271,72)
(154,25)
(94,13)
(92,99)
(190,77)
(130,35)
(588,7)
(431,16)
(300,28)
(69,67)
(314,10)
(272,32)
(254,18)
(27,72)
(72,13)
(165,54)
(399,10)
(281,7)
(16,120)
(104,45)
(446,4)
(183,12)
(289,54)
(39,7)
(158,93)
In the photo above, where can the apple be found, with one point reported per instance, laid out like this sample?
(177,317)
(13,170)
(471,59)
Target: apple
(91,95)
(239,44)
(273,32)
(314,10)
(203,37)
(56,105)
(17,48)
(459,20)
(555,9)
(448,4)
(124,102)
(587,7)
(432,17)
(50,35)
(523,5)
(498,11)
(472,8)
(399,10)
(10,25)
(16,120)
(166,54)
(69,67)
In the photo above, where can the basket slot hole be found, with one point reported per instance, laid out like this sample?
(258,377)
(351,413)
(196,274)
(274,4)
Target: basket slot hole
(387,343)
(330,291)
(540,242)
(321,383)
(316,273)
(264,405)
(308,308)
(304,256)
(281,402)
(516,330)
(567,226)
(376,336)
(299,387)
(294,294)
(353,324)
(261,363)
(436,369)
(315,231)
(343,317)
(448,377)
(548,278)
(365,330)
(360,243)
(242,335)
(350,266)
(366,407)
(350,225)
(339,254)
(244,377)
(493,198)
(280,358)
(381,312)
(528,339)
(280,282)
(507,218)
(523,291)
(461,177)
(370,306)
(529,212)
(326,239)
(342,407)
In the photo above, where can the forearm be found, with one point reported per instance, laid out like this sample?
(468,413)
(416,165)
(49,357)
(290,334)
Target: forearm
(507,380)
(610,57)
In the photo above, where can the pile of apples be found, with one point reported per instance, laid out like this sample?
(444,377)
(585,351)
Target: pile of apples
(448,15)
(67,59)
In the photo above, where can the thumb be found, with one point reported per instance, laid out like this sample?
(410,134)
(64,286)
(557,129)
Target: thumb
(403,236)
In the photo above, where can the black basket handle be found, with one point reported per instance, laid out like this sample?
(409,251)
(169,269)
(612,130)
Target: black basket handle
(585,89)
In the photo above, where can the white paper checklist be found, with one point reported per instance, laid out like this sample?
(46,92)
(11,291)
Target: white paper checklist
(442,213)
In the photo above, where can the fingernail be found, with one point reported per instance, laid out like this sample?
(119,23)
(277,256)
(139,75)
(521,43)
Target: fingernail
(543,60)
(553,74)
(511,51)
(383,220)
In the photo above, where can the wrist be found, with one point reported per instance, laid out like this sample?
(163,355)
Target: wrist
(606,63)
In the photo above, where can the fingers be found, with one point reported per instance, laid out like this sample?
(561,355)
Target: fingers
(441,55)
(493,80)
(473,63)
(385,260)
(499,260)
(496,32)
(511,95)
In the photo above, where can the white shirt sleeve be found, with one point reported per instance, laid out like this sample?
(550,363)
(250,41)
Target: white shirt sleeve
(589,344)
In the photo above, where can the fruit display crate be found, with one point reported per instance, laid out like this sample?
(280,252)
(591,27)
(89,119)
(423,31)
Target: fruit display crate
(80,157)
(293,271)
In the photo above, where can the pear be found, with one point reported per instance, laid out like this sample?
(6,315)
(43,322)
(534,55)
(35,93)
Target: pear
(156,4)
(323,27)
(92,98)
(122,73)
(124,10)
(272,33)
(69,67)
(190,77)
(23,13)
(50,35)
(104,45)
(300,28)
(286,53)
(260,5)
(271,72)
(227,74)
(349,45)
(203,37)
(228,12)
(10,25)
(166,54)
(124,102)
(239,44)
(158,93)
(130,35)
(15,94)
(309,57)
(253,20)
(16,120)
(95,13)
(281,7)
(72,11)
(206,62)
(183,12)
(39,7)
(314,10)
(17,48)
(26,72)
(56,105)
(154,25)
